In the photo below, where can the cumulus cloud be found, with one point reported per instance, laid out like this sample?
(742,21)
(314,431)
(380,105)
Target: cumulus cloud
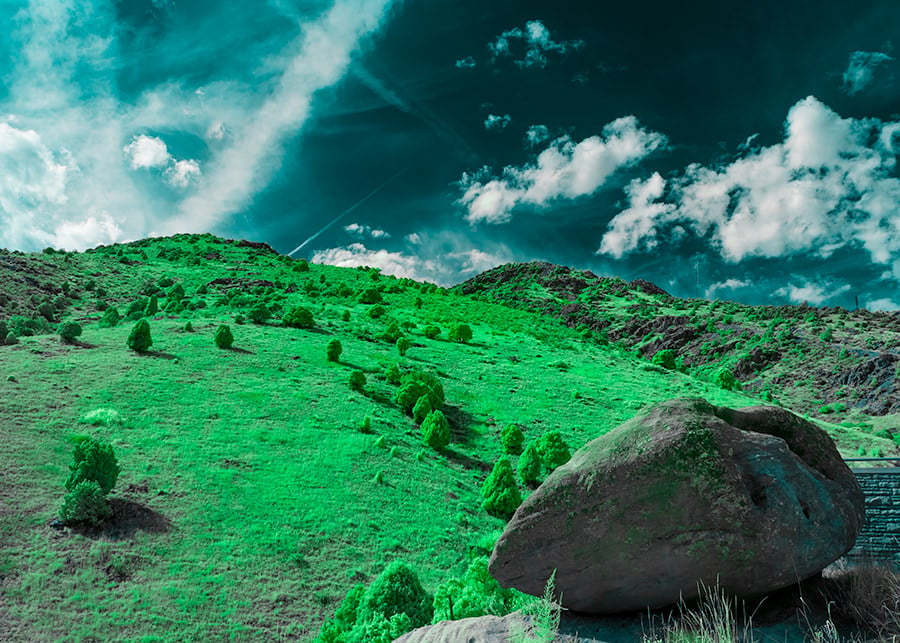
(829,184)
(536,41)
(712,292)
(536,135)
(861,70)
(443,258)
(362,231)
(466,63)
(494,122)
(83,179)
(565,169)
(811,293)
(886,305)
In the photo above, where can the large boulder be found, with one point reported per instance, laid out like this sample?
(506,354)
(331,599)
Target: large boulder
(480,629)
(755,499)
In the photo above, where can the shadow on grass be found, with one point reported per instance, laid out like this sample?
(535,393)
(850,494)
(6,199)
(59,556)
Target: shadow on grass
(79,344)
(157,354)
(466,461)
(129,517)
(244,351)
(460,423)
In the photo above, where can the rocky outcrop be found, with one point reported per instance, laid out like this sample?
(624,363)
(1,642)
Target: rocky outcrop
(754,499)
(482,629)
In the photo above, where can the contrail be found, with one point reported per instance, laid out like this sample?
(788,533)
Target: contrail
(348,210)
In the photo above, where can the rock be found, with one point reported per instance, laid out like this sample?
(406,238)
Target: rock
(480,629)
(755,498)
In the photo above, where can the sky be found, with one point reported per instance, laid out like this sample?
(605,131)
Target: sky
(739,151)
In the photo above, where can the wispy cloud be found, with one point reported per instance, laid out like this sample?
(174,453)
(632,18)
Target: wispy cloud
(861,70)
(83,163)
(714,290)
(529,47)
(565,169)
(363,231)
(828,185)
(495,122)
(812,293)
(466,63)
(536,134)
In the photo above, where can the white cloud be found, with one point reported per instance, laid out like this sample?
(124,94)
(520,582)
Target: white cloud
(181,173)
(886,305)
(494,122)
(146,152)
(414,238)
(466,63)
(537,42)
(536,135)
(361,231)
(829,184)
(861,70)
(811,293)
(565,169)
(729,284)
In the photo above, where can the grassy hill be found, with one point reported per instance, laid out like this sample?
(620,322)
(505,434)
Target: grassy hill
(250,500)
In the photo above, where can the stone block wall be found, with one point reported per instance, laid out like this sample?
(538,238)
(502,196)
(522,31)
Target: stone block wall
(880,536)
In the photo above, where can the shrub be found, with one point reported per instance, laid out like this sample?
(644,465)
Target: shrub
(431,331)
(418,303)
(377,311)
(93,460)
(403,346)
(152,306)
(139,339)
(477,593)
(370,296)
(725,379)
(334,350)
(136,308)
(529,465)
(436,430)
(357,381)
(392,374)
(302,265)
(461,333)
(397,590)
(298,317)
(553,450)
(110,318)
(665,358)
(512,439)
(366,425)
(176,293)
(421,409)
(85,503)
(11,339)
(392,333)
(499,491)
(345,316)
(260,313)
(223,337)
(69,330)
(188,327)
(414,385)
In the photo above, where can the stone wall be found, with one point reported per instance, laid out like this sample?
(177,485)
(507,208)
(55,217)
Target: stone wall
(880,536)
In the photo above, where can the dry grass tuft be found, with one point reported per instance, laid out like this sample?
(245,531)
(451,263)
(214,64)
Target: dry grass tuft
(868,595)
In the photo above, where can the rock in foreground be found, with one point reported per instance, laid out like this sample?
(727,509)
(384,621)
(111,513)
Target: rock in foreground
(481,629)
(757,498)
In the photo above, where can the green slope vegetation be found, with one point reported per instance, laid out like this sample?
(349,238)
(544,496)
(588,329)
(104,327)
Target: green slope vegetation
(250,498)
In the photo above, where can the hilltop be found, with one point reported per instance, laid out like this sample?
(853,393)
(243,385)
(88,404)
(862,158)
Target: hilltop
(254,494)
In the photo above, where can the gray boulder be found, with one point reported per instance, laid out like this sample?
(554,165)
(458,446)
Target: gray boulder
(755,499)
(481,629)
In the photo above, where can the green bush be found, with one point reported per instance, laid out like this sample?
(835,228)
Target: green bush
(418,303)
(421,409)
(512,439)
(11,339)
(377,311)
(136,308)
(139,339)
(366,425)
(69,330)
(298,317)
(223,337)
(152,306)
(110,318)
(334,350)
(345,316)
(402,346)
(357,381)
(553,450)
(665,358)
(85,503)
(477,593)
(461,333)
(725,379)
(93,460)
(529,465)
(175,293)
(188,327)
(392,374)
(260,313)
(392,333)
(436,430)
(397,590)
(370,296)
(500,493)
(414,385)
(431,331)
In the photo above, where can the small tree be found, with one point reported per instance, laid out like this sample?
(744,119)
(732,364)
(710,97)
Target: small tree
(139,339)
(421,409)
(461,333)
(11,339)
(357,381)
(85,503)
(402,346)
(397,590)
(110,318)
(553,450)
(370,296)
(512,438)
(392,374)
(431,331)
(260,313)
(529,465)
(500,493)
(69,330)
(298,317)
(725,379)
(436,430)
(176,292)
(223,337)
(93,460)
(152,306)
(665,358)
(377,311)
(334,350)
(418,303)
(414,385)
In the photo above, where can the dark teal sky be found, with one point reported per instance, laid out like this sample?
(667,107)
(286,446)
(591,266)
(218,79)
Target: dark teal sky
(734,150)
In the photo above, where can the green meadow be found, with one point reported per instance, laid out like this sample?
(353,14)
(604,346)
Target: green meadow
(251,497)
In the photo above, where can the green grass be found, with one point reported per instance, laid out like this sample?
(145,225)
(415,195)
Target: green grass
(252,502)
